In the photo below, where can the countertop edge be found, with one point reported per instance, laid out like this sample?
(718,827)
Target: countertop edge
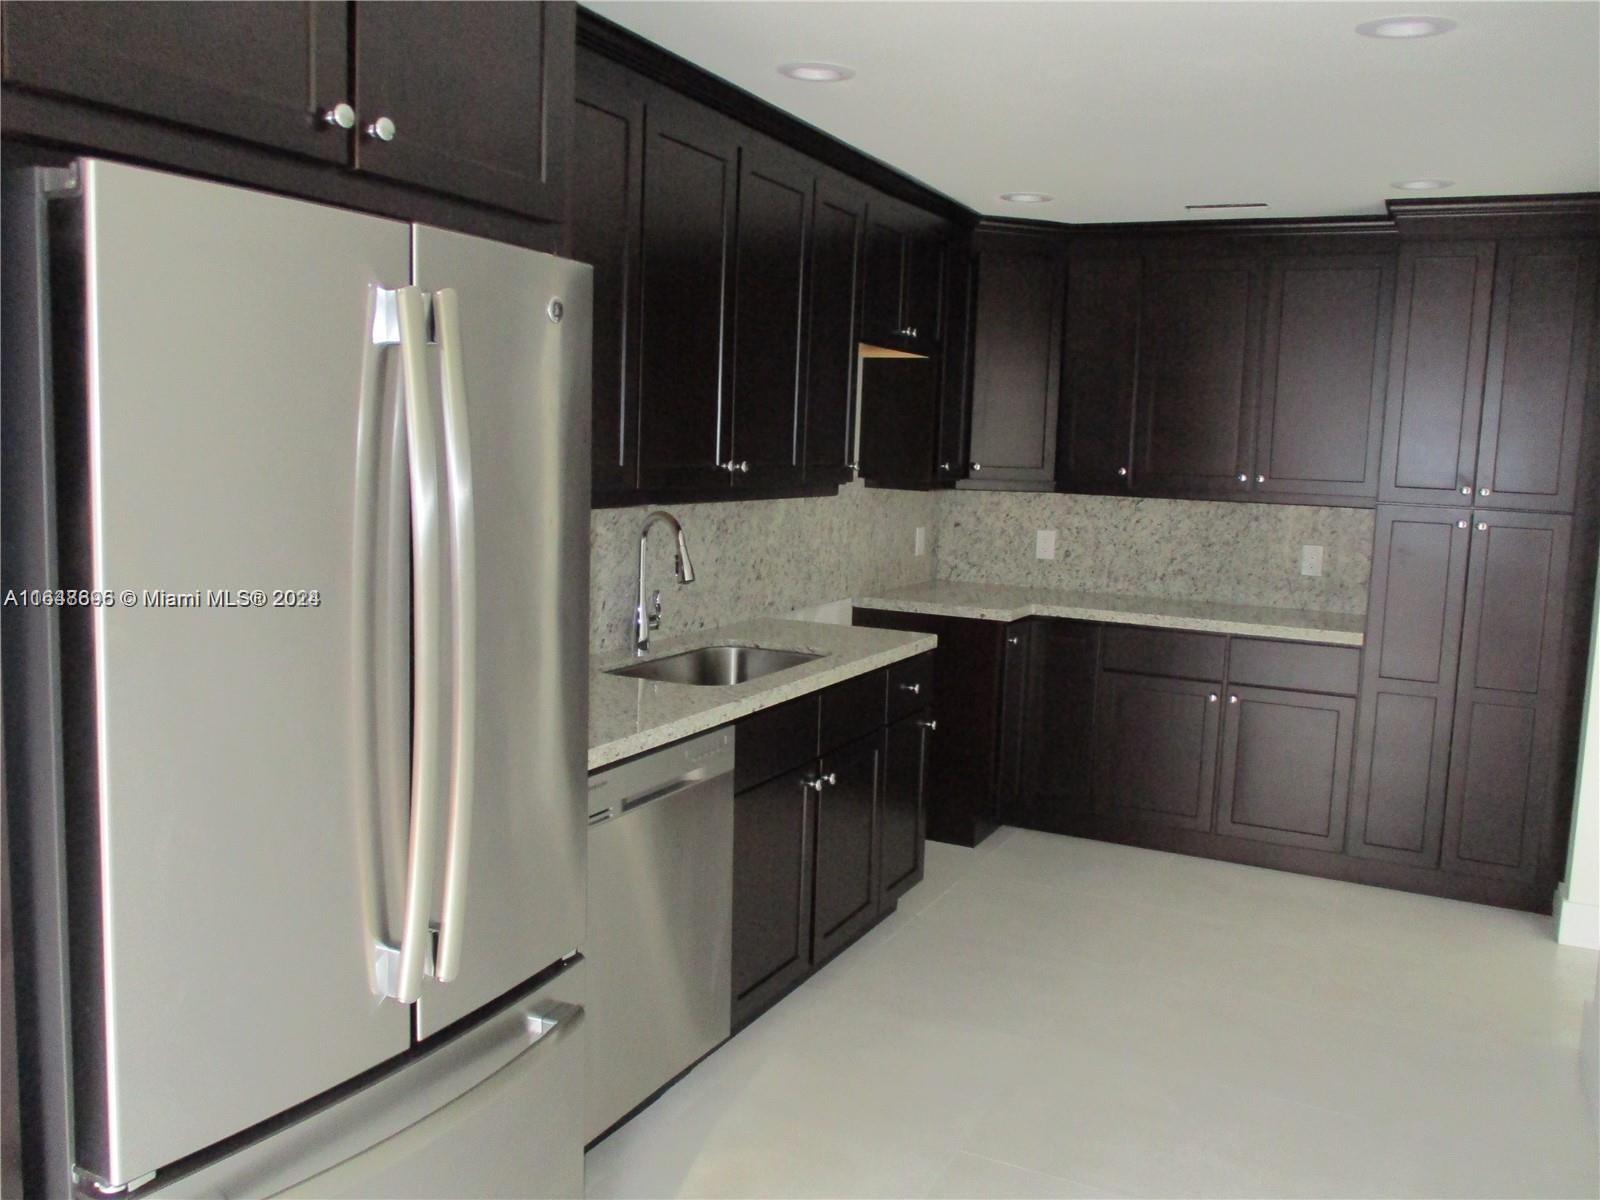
(614,751)
(1152,620)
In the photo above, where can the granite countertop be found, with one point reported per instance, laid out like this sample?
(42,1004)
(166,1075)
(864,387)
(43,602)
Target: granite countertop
(995,602)
(629,716)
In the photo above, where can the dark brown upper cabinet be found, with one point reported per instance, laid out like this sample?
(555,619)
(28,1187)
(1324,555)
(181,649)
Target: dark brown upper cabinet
(767,396)
(838,224)
(899,417)
(261,72)
(691,179)
(1537,375)
(1016,357)
(955,355)
(603,231)
(475,97)
(903,298)
(1199,362)
(1408,682)
(1504,764)
(1095,448)
(1325,361)
(1489,372)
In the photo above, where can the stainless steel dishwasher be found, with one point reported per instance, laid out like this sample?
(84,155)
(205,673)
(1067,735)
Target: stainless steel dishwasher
(660,940)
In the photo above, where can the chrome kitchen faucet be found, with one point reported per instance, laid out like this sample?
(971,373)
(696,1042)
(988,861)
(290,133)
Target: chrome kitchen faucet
(646,619)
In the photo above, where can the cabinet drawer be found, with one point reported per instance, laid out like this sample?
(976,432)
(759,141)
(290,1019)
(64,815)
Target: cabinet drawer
(1162,652)
(1332,669)
(768,743)
(852,709)
(910,686)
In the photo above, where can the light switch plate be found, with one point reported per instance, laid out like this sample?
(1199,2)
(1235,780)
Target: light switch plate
(1044,543)
(1311,560)
(922,540)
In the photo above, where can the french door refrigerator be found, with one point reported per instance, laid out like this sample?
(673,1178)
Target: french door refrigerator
(297,749)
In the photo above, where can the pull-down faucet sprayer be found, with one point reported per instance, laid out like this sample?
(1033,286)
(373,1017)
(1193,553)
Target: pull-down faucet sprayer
(646,619)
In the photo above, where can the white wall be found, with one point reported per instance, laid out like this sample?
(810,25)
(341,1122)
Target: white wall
(1577,906)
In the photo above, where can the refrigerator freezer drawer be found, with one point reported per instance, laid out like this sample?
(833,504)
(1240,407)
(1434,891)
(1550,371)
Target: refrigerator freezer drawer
(494,1111)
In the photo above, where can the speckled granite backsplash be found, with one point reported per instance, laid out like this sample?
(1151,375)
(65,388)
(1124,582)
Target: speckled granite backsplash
(1235,553)
(756,558)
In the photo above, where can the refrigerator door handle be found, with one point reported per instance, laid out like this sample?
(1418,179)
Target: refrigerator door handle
(402,318)
(464,609)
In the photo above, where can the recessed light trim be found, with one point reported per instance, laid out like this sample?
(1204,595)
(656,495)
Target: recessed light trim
(1026,197)
(817,72)
(1405,27)
(1422,185)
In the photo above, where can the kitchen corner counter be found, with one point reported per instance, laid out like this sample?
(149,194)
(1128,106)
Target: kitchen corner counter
(629,716)
(994,602)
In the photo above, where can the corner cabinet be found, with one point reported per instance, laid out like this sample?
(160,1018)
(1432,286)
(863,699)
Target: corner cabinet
(1016,357)
(469,100)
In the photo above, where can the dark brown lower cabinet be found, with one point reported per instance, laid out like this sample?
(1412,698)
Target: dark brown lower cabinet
(1285,770)
(901,825)
(1054,789)
(1156,748)
(845,894)
(772,880)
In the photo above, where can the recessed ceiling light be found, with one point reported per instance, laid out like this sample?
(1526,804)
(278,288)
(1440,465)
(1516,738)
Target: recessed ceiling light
(1405,27)
(1025,197)
(816,72)
(1422,185)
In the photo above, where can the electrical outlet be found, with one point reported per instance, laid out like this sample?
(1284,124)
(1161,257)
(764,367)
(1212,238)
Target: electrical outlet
(922,540)
(1044,543)
(1311,560)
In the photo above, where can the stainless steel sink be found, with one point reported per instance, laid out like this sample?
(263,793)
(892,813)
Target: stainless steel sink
(716,666)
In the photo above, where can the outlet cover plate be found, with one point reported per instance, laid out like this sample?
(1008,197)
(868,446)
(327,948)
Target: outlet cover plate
(1311,560)
(1044,543)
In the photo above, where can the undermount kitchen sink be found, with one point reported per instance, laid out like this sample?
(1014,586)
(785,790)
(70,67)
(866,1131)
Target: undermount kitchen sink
(716,666)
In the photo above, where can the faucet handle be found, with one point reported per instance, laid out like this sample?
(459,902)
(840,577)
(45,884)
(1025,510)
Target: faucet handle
(653,614)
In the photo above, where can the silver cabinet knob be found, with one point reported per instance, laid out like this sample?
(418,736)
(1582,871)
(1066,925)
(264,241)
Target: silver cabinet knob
(914,688)
(1461,524)
(1244,479)
(382,129)
(1012,639)
(830,779)
(1261,478)
(944,466)
(1212,698)
(1466,489)
(341,114)
(1233,699)
(977,466)
(1482,526)
(735,467)
(1122,471)
(744,468)
(929,725)
(1483,491)
(816,785)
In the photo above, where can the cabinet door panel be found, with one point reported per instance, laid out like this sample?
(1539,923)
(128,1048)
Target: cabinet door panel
(1408,676)
(1537,375)
(1016,360)
(774,228)
(262,72)
(838,221)
(1436,370)
(1328,325)
(882,318)
(691,162)
(955,358)
(1285,773)
(924,285)
(1199,353)
(1056,790)
(476,93)
(1156,749)
(902,838)
(846,901)
(1102,352)
(772,879)
(898,402)
(607,188)
(1509,696)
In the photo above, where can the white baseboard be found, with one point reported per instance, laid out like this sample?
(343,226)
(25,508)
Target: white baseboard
(1577,924)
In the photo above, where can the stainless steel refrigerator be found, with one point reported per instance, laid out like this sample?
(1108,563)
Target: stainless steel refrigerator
(297,752)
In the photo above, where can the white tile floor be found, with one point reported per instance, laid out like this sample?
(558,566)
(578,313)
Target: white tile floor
(1046,1016)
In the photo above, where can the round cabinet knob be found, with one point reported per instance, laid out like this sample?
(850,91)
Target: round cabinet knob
(744,468)
(830,779)
(1212,698)
(1461,524)
(341,114)
(977,466)
(930,726)
(944,466)
(1244,479)
(1233,699)
(1261,478)
(1012,640)
(1466,489)
(1483,491)
(914,688)
(382,129)
(1122,471)
(1483,526)
(816,785)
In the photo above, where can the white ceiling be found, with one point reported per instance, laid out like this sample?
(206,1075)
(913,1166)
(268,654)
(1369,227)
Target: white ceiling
(1127,111)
